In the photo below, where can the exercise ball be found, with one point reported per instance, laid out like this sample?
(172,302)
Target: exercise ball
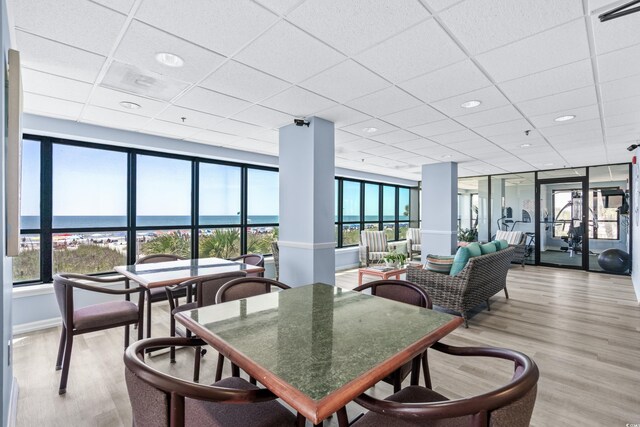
(614,260)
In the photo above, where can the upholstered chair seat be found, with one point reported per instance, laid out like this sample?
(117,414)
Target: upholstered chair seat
(373,246)
(105,315)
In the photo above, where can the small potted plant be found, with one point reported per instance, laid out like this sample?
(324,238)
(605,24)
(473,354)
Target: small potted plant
(394,259)
(467,235)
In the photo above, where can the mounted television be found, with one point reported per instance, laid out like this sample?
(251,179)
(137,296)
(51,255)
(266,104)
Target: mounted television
(13,104)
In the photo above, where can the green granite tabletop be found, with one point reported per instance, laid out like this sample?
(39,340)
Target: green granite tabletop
(318,337)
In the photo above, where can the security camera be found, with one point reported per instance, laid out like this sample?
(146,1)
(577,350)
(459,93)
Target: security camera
(301,122)
(632,147)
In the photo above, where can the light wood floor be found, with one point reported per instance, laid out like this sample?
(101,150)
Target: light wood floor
(582,329)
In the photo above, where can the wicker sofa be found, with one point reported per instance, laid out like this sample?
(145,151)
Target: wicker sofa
(482,277)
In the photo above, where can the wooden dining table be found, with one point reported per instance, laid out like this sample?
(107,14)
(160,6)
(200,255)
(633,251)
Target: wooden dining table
(318,346)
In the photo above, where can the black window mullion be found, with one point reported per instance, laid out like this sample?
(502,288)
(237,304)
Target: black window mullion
(340,207)
(396,230)
(195,209)
(131,208)
(244,216)
(46,210)
(381,207)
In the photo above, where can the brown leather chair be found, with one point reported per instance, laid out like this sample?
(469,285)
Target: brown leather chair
(158,399)
(409,293)
(508,406)
(205,289)
(251,259)
(96,317)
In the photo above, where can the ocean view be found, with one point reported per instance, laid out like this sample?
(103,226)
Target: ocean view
(33,222)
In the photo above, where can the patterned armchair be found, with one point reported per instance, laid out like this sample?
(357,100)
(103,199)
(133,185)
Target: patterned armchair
(517,240)
(414,246)
(373,246)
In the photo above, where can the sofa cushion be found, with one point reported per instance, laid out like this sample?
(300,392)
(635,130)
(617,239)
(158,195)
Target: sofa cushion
(512,237)
(503,244)
(474,249)
(439,264)
(488,248)
(460,260)
(377,256)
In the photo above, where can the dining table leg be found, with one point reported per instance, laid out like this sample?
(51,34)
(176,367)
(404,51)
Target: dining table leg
(148,309)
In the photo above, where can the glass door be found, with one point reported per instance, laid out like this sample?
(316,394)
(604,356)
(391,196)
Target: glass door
(562,228)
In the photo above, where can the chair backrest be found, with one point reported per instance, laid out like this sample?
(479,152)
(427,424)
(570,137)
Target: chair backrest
(208,286)
(275,250)
(375,240)
(246,287)
(64,296)
(512,237)
(156,397)
(413,234)
(251,259)
(508,406)
(158,258)
(398,290)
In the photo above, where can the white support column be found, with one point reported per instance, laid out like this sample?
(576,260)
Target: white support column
(439,209)
(307,230)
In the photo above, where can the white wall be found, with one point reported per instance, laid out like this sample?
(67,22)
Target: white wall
(635,226)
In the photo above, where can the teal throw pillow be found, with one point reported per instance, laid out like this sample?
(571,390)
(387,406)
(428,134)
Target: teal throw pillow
(488,248)
(474,249)
(497,244)
(460,260)
(503,244)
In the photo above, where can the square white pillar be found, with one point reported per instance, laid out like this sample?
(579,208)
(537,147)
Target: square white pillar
(439,209)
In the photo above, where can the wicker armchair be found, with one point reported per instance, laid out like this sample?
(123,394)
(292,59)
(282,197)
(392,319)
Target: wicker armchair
(276,258)
(483,277)
(517,240)
(373,246)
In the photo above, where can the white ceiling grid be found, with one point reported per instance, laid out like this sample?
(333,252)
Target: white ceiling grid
(402,67)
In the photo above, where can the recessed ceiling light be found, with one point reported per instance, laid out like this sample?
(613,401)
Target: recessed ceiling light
(525,145)
(169,59)
(447,156)
(564,118)
(130,105)
(471,104)
(370,130)
(548,164)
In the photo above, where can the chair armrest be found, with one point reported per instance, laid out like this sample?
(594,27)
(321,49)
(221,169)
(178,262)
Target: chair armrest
(98,279)
(100,289)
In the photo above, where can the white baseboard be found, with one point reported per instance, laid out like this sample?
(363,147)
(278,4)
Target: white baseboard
(347,267)
(13,404)
(36,326)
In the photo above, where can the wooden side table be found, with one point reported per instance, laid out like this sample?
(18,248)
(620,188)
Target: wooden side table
(383,273)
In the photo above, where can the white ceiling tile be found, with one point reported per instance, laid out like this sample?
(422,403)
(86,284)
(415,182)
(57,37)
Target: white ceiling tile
(436,128)
(416,144)
(353,155)
(383,150)
(244,82)
(618,64)
(552,48)
(57,87)
(572,127)
(401,155)
(449,138)
(439,5)
(112,118)
(476,147)
(561,79)
(488,117)
(52,107)
(122,6)
(268,135)
(345,81)
(384,102)
(214,138)
(352,26)
(559,102)
(423,48)
(361,145)
(172,130)
(620,89)
(193,118)
(298,102)
(482,25)
(342,137)
(623,130)
(235,127)
(578,136)
(263,116)
(589,112)
(56,58)
(342,116)
(129,78)
(617,33)
(286,52)
(211,102)
(490,97)
(414,116)
(254,145)
(513,126)
(394,137)
(358,128)
(73,22)
(107,98)
(141,43)
(622,119)
(621,106)
(450,81)
(280,7)
(222,26)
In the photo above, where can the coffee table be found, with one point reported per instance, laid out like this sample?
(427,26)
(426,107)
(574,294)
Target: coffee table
(383,272)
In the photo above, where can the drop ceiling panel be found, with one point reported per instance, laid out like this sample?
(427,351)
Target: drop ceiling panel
(223,27)
(490,97)
(342,137)
(352,26)
(583,113)
(384,102)
(211,102)
(236,127)
(280,7)
(549,49)
(617,33)
(129,78)
(450,81)
(244,82)
(56,58)
(383,150)
(487,117)
(268,135)
(359,128)
(345,81)
(193,118)
(286,52)
(415,144)
(436,128)
(618,64)
(394,137)
(513,126)
(141,43)
(298,102)
(172,130)
(482,25)
(438,5)
(620,89)
(362,145)
(423,48)
(122,6)
(401,155)
(449,138)
(622,120)
(621,106)
(113,118)
(54,86)
(414,116)
(107,98)
(342,116)
(550,82)
(72,22)
(571,128)
(560,103)
(214,138)
(53,107)
(263,116)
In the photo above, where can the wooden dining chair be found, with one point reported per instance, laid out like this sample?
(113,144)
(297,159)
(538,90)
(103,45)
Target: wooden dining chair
(409,293)
(96,317)
(251,259)
(508,406)
(204,290)
(162,400)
